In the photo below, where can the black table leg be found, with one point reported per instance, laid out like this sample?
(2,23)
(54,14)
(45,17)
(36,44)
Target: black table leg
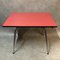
(47,45)
(14,42)
(20,32)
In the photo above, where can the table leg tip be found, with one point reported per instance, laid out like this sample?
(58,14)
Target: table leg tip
(48,53)
(13,52)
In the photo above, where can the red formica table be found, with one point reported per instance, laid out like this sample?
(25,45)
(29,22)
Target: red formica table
(30,19)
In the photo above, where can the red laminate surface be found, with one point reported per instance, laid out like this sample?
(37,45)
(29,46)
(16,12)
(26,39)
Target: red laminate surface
(30,19)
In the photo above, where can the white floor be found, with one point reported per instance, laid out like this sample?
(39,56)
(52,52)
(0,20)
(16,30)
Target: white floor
(32,46)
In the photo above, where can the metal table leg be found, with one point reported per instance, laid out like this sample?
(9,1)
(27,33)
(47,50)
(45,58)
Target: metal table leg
(47,45)
(14,42)
(20,33)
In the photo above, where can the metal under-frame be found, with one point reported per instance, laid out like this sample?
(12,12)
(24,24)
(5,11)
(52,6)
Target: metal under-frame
(45,34)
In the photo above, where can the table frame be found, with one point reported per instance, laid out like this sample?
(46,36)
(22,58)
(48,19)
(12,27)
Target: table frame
(45,34)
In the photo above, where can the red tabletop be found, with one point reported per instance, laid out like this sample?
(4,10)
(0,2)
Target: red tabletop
(30,19)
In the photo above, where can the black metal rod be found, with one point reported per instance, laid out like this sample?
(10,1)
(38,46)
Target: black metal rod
(47,45)
(14,41)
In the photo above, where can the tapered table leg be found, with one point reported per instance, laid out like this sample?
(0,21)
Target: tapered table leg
(14,41)
(47,45)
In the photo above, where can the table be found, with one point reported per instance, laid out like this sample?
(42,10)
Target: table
(30,19)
